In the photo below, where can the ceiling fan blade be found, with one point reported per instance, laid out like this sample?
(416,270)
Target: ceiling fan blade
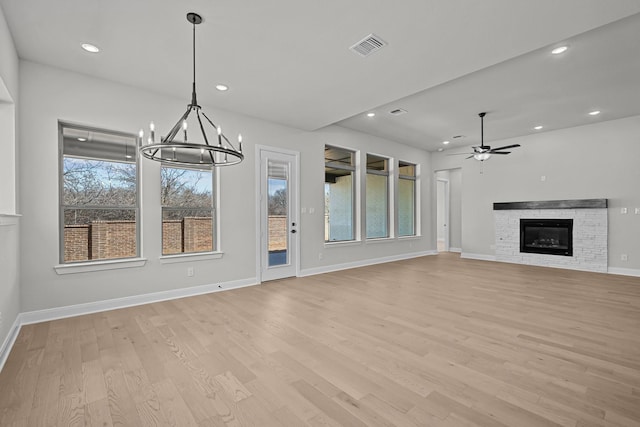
(470,157)
(500,152)
(505,147)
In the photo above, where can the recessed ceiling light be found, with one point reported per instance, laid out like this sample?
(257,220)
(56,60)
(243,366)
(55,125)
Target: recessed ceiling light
(222,87)
(90,47)
(559,50)
(371,114)
(81,139)
(594,113)
(440,149)
(537,127)
(445,142)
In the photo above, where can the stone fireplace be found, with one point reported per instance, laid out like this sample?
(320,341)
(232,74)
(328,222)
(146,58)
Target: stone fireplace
(558,233)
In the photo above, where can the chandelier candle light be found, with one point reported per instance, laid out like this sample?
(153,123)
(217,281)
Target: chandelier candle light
(197,153)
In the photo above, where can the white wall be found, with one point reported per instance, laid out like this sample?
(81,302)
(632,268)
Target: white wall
(455,208)
(8,98)
(9,223)
(594,161)
(9,61)
(50,94)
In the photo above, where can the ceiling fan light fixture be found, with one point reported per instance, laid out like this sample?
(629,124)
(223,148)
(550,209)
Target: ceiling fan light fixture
(482,156)
(484,152)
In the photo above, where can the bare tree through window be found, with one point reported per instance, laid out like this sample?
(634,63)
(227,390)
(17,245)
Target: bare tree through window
(99,195)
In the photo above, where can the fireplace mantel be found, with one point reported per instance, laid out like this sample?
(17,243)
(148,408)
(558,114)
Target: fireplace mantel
(552,204)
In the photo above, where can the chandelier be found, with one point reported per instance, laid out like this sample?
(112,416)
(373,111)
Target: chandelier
(201,151)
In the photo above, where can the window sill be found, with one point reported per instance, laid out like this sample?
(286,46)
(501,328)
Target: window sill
(380,240)
(342,243)
(87,267)
(412,237)
(202,256)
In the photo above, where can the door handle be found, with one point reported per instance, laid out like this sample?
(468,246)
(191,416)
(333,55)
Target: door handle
(294,231)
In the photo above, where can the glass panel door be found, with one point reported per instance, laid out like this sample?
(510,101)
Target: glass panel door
(278,214)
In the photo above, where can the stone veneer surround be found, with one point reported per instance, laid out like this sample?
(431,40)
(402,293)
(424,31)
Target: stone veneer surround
(589,233)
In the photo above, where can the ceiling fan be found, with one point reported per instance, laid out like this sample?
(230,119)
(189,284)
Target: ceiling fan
(484,152)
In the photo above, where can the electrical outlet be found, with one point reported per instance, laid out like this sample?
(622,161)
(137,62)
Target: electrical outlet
(190,271)
(624,257)
(320,255)
(543,178)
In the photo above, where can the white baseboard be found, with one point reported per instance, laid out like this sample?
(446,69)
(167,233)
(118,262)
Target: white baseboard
(363,263)
(458,250)
(611,270)
(7,345)
(116,303)
(481,257)
(624,271)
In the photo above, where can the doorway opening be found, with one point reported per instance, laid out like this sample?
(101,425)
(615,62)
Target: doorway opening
(442,214)
(448,206)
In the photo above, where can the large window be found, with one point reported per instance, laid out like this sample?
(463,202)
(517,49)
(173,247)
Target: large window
(188,214)
(377,197)
(98,197)
(406,199)
(339,194)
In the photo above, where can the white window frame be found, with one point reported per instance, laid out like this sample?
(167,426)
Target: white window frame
(416,198)
(355,193)
(215,211)
(98,264)
(389,173)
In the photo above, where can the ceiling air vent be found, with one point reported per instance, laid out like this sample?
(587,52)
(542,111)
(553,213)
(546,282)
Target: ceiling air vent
(397,111)
(368,45)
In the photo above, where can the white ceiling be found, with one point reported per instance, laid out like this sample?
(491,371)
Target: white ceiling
(288,61)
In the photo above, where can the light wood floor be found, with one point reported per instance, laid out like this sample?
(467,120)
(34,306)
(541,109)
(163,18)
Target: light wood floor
(431,341)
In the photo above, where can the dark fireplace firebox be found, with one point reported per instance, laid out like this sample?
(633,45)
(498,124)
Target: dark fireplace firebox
(547,236)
